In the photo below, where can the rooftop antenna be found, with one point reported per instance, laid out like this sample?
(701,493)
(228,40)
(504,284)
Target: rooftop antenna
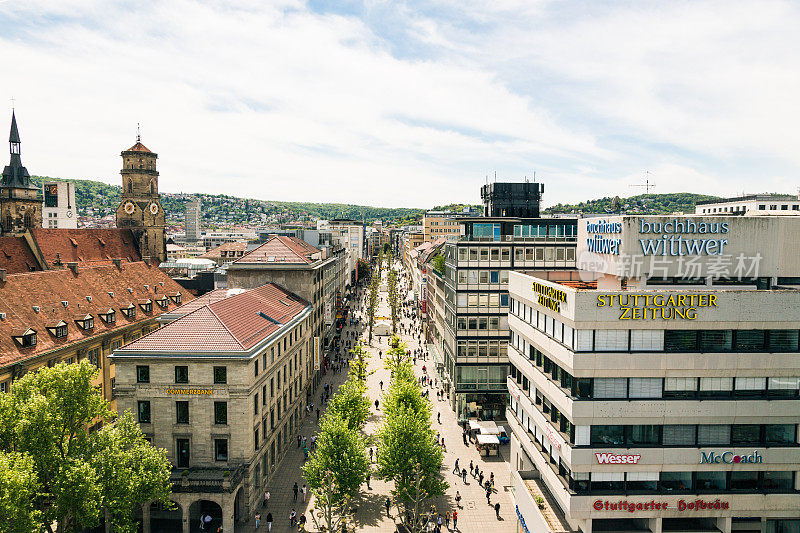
(138,133)
(495,176)
(13,101)
(647,185)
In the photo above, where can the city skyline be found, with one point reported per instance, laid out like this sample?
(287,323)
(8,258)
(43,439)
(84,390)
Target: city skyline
(304,101)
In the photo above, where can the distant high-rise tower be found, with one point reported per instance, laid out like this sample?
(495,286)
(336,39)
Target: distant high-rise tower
(193,211)
(140,204)
(519,200)
(20,202)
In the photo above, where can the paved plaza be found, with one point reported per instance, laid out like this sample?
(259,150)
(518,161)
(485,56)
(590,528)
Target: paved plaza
(475,515)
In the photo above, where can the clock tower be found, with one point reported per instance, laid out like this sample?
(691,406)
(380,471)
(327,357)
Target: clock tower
(140,205)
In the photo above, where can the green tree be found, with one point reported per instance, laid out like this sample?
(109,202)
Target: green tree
(47,415)
(393,297)
(335,471)
(409,455)
(359,368)
(350,403)
(438,263)
(19,489)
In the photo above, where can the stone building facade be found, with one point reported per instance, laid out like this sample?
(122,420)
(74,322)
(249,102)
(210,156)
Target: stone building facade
(20,202)
(221,389)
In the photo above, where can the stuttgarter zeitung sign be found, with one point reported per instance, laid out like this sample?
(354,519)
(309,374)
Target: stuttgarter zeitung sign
(549,297)
(657,306)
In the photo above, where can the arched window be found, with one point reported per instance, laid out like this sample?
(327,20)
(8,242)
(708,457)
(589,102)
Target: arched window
(27,220)
(152,187)
(9,223)
(130,185)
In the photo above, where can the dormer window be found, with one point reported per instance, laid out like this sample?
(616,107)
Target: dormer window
(163,302)
(109,316)
(129,311)
(146,305)
(57,328)
(176,298)
(85,322)
(25,337)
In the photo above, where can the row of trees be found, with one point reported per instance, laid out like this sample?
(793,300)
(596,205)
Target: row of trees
(408,453)
(394,298)
(54,470)
(339,465)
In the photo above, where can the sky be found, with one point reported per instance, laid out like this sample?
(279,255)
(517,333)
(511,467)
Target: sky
(410,104)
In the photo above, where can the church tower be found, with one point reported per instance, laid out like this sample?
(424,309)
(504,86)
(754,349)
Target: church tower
(20,202)
(140,205)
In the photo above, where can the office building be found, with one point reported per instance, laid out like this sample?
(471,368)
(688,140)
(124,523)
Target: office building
(751,204)
(658,389)
(59,210)
(192,223)
(473,351)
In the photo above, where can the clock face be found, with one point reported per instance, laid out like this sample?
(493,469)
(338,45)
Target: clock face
(129,208)
(69,214)
(154,208)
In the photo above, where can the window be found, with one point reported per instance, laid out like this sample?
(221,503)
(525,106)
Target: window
(110,317)
(745,434)
(744,480)
(778,481)
(220,413)
(144,411)
(710,480)
(255,438)
(181,374)
(182,412)
(645,388)
(256,368)
(610,387)
(642,481)
(680,387)
(142,374)
(220,374)
(643,435)
(679,435)
(182,446)
(680,340)
(676,481)
(608,481)
(710,435)
(779,434)
(255,403)
(220,449)
(783,340)
(750,340)
(608,435)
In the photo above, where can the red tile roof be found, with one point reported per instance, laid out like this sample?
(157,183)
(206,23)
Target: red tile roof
(48,289)
(239,247)
(86,246)
(281,249)
(233,324)
(16,256)
(138,147)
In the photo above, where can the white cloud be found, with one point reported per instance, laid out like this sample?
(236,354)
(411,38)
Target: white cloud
(275,101)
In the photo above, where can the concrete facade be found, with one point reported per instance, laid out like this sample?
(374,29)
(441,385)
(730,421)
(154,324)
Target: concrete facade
(647,399)
(59,209)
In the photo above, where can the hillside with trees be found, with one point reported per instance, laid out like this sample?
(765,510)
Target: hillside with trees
(649,204)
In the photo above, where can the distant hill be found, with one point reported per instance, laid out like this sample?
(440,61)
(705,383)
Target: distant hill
(95,198)
(648,204)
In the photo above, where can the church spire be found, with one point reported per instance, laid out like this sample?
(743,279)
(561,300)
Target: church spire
(13,137)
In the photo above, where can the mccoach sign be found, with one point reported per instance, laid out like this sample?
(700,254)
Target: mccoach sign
(617,459)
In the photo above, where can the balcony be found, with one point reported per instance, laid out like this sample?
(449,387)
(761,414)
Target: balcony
(207,480)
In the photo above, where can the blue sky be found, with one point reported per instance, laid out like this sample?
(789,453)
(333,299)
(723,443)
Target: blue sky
(410,103)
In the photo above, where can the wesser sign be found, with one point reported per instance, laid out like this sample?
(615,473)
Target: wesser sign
(617,459)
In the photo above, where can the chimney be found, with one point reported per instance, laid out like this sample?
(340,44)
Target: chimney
(146,260)
(73,266)
(2,274)
(117,262)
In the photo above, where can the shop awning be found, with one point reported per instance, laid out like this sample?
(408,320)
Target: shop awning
(488,439)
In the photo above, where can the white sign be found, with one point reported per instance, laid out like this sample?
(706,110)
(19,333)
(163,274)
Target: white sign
(317,350)
(328,313)
(617,459)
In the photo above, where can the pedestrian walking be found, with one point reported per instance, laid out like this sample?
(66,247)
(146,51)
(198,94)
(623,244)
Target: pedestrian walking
(299,440)
(202,520)
(295,489)
(266,498)
(304,487)
(292,517)
(388,504)
(447,519)
(497,509)
(464,437)
(458,499)
(439,417)
(269,522)
(489,497)
(480,479)
(381,384)
(376,405)
(471,469)
(491,479)
(464,475)
(455,520)
(258,520)
(370,455)
(456,470)
(368,487)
